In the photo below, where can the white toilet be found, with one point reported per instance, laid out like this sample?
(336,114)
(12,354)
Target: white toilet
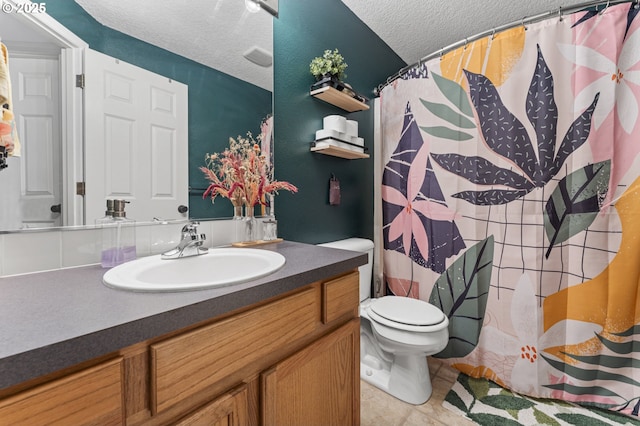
(396,335)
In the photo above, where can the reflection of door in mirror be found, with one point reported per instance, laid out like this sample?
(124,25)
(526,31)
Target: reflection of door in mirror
(36,177)
(136,140)
(39,186)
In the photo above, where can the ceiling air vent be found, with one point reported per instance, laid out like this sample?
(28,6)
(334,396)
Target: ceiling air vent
(259,56)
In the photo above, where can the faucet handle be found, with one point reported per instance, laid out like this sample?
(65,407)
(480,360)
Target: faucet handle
(190,243)
(190,232)
(191,227)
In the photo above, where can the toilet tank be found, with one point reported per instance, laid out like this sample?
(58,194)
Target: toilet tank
(366,271)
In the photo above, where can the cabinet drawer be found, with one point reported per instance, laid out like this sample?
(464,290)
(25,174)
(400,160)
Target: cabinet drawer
(340,296)
(186,365)
(89,397)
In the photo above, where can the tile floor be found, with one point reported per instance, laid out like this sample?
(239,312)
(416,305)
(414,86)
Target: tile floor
(377,408)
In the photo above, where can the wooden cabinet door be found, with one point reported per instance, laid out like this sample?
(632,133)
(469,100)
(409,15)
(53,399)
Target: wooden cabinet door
(88,397)
(320,385)
(230,409)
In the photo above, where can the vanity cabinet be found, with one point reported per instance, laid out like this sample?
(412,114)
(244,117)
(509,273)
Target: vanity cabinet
(291,359)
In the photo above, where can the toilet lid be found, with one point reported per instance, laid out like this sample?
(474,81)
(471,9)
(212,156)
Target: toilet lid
(406,310)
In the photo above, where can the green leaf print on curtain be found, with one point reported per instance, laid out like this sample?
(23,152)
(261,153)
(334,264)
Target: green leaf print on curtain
(575,203)
(458,97)
(461,293)
(622,360)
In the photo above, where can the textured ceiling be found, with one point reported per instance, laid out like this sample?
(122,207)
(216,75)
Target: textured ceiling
(417,28)
(212,32)
(218,32)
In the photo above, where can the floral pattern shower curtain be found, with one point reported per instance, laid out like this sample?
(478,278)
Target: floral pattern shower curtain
(511,200)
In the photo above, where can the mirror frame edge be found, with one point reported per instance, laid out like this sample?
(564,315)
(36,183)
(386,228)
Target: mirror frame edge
(270,6)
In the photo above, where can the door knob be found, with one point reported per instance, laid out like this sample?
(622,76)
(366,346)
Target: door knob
(183,209)
(56,208)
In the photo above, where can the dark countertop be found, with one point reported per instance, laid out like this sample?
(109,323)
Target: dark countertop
(52,320)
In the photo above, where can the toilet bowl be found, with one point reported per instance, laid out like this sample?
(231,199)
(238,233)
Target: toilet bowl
(396,335)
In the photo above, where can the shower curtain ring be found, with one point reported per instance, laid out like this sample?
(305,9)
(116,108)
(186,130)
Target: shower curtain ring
(560,13)
(441,53)
(466,41)
(637,5)
(605,8)
(523,25)
(493,32)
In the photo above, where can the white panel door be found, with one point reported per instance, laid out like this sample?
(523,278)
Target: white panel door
(136,148)
(33,181)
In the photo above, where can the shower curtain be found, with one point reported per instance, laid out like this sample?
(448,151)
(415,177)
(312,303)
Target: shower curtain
(511,200)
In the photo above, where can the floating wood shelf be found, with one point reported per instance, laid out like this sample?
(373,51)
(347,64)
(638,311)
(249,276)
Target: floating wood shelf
(339,99)
(337,151)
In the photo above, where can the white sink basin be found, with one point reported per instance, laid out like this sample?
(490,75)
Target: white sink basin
(219,267)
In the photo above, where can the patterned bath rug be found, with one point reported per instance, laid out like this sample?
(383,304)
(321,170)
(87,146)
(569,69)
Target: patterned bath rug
(485,403)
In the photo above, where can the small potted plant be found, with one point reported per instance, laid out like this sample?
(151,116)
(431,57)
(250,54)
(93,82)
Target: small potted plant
(328,68)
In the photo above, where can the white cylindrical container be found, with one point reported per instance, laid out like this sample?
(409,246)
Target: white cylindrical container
(335,122)
(352,128)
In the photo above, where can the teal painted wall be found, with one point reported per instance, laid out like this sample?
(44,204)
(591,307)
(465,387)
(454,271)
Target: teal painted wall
(220,106)
(303,30)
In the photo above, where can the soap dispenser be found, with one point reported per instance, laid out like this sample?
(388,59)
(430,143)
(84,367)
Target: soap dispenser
(118,235)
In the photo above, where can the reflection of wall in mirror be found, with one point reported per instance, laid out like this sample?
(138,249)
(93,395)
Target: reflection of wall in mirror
(220,106)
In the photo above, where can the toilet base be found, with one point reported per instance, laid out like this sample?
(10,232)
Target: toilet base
(407,378)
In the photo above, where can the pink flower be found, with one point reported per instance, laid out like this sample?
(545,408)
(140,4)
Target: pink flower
(242,174)
(407,223)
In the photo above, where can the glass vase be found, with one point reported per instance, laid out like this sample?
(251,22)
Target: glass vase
(237,212)
(250,225)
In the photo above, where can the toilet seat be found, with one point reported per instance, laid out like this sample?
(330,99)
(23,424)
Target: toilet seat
(405,313)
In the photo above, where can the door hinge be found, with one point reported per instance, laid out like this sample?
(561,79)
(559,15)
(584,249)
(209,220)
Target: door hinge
(80,189)
(80,81)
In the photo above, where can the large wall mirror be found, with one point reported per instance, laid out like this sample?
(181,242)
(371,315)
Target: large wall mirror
(219,49)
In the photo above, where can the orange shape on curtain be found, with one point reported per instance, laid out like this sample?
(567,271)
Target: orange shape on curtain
(611,299)
(493,56)
(478,372)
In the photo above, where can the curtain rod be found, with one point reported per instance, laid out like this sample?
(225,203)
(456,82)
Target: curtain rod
(524,21)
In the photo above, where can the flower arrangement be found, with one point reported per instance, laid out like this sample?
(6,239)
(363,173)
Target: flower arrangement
(331,62)
(242,173)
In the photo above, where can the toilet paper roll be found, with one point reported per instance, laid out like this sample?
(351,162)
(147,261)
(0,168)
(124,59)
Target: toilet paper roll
(358,141)
(335,122)
(352,128)
(328,133)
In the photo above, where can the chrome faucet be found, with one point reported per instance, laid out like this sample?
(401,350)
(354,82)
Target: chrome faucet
(190,243)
